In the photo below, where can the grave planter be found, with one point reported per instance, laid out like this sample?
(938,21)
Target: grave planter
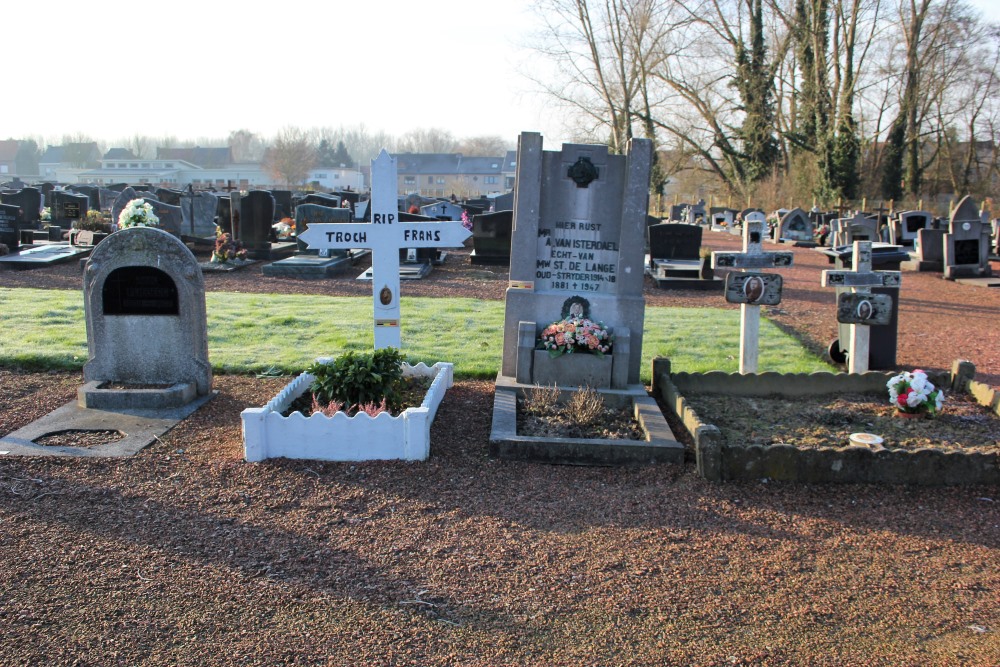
(572,370)
(268,434)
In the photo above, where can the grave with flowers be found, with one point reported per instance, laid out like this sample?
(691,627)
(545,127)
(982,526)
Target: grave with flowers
(351,423)
(860,426)
(574,307)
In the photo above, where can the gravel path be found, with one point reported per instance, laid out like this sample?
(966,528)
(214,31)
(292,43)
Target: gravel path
(186,555)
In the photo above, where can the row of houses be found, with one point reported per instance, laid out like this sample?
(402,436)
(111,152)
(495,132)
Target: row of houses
(427,174)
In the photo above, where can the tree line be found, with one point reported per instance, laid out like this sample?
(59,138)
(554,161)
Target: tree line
(787,99)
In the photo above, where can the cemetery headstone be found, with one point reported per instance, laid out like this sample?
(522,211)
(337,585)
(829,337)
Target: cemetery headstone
(750,288)
(223,214)
(121,201)
(903,228)
(322,199)
(256,220)
(504,202)
(442,210)
(491,234)
(796,226)
(199,210)
(169,196)
(144,301)
(10,230)
(311,263)
(282,204)
(29,204)
(68,207)
(967,243)
(385,235)
(578,227)
(107,199)
(307,214)
(859,228)
(859,307)
(171,218)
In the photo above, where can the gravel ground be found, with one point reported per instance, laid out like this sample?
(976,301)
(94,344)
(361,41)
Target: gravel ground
(186,555)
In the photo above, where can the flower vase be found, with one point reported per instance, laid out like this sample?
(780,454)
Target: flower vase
(909,415)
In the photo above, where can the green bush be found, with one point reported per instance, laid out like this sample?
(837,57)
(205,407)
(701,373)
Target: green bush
(357,378)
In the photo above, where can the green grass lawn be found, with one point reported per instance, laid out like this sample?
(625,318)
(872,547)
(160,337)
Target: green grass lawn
(259,332)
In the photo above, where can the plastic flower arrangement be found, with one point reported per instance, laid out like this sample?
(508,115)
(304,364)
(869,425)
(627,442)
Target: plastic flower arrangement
(285,229)
(137,213)
(46,214)
(913,393)
(227,249)
(466,220)
(576,334)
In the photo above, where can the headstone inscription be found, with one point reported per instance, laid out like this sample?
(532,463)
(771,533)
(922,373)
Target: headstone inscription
(385,235)
(10,230)
(68,207)
(144,301)
(967,243)
(751,289)
(491,237)
(860,308)
(29,204)
(578,227)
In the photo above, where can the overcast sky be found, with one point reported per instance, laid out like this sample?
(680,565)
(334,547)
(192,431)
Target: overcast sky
(111,68)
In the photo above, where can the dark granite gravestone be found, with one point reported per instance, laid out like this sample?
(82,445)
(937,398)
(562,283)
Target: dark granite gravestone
(29,204)
(351,196)
(306,214)
(68,207)
(256,220)
(47,189)
(678,213)
(504,202)
(124,197)
(170,217)
(491,237)
(107,198)
(168,196)
(930,249)
(282,204)
(117,187)
(223,214)
(321,199)
(967,243)
(199,210)
(92,192)
(673,241)
(10,230)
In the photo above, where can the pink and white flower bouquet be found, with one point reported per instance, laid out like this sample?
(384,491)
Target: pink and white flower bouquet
(576,334)
(913,393)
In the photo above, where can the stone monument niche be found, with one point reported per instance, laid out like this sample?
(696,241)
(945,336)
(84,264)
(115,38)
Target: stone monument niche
(144,300)
(579,224)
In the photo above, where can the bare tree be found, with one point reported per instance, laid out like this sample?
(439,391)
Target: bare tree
(290,156)
(486,146)
(433,140)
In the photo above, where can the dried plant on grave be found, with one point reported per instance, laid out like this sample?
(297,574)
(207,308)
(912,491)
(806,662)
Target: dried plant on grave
(330,409)
(541,400)
(585,406)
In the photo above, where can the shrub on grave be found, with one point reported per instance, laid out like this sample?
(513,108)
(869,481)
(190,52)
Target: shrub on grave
(360,378)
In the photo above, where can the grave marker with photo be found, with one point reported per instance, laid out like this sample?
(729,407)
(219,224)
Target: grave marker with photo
(967,243)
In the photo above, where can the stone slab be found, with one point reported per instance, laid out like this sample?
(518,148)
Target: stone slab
(488,260)
(225,267)
(141,428)
(311,266)
(48,254)
(980,282)
(406,271)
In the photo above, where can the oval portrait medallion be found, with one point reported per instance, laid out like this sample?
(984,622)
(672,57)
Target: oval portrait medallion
(385,296)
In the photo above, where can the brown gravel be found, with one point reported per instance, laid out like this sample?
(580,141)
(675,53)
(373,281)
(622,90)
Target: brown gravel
(186,555)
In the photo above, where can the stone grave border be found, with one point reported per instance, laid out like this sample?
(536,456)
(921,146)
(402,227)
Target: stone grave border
(268,434)
(659,445)
(849,464)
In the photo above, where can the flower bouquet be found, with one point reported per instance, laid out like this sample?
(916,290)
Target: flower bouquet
(913,394)
(137,213)
(576,334)
(227,249)
(285,229)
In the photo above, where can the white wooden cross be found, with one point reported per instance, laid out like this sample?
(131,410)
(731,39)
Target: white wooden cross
(750,289)
(866,309)
(385,235)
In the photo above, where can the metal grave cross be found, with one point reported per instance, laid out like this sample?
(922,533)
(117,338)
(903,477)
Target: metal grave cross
(385,235)
(751,288)
(859,307)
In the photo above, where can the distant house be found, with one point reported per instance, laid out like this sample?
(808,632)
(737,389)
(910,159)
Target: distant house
(445,174)
(173,168)
(8,156)
(64,163)
(339,178)
(207,158)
